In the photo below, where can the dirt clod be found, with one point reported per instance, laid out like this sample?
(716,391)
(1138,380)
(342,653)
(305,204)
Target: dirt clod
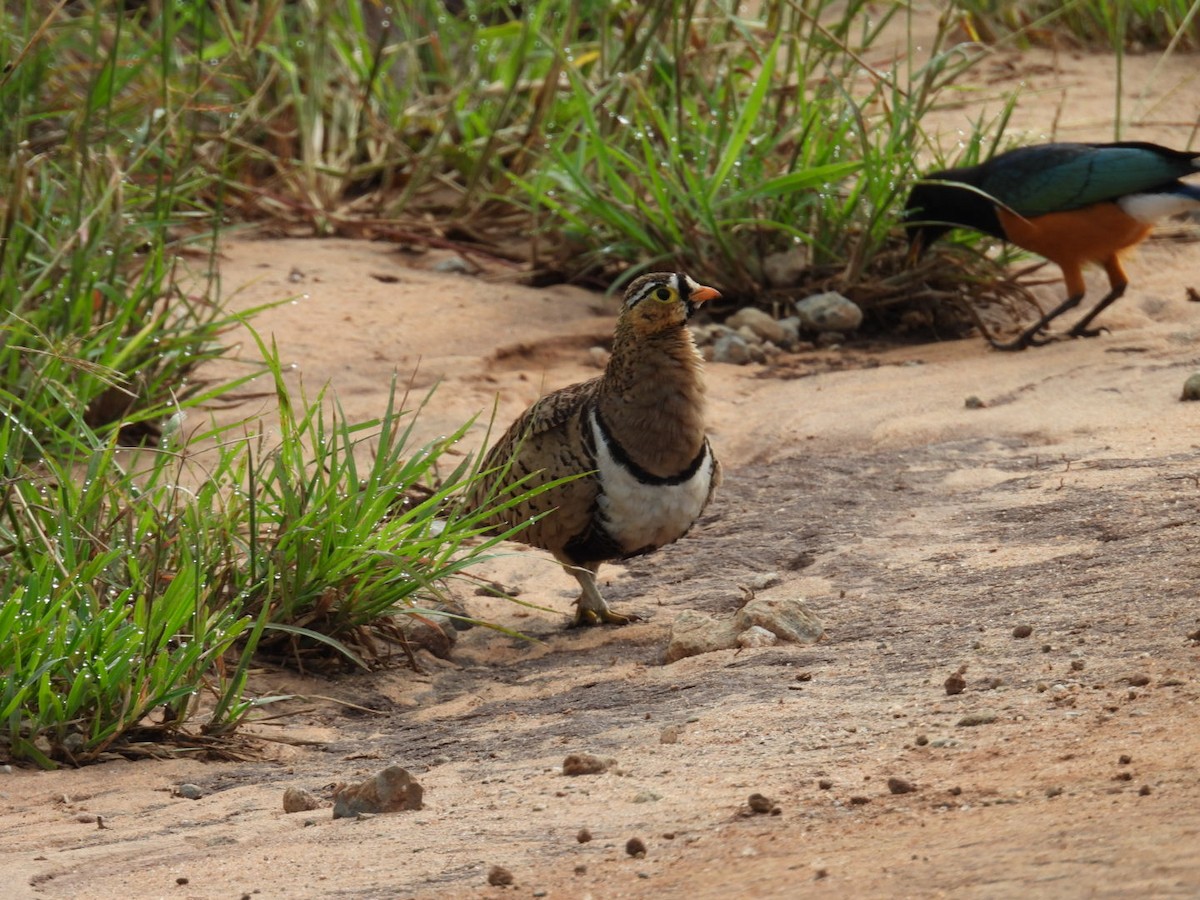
(859,800)
(972,719)
(1022,631)
(584,764)
(1144,790)
(499,876)
(824,783)
(900,785)
(1138,680)
(1124,759)
(921,740)
(583,836)
(182,879)
(635,847)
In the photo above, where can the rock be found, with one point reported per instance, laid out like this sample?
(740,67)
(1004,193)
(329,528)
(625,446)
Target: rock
(825,783)
(828,312)
(760,323)
(584,764)
(731,348)
(669,734)
(955,684)
(900,786)
(760,804)
(1022,631)
(646,797)
(693,633)
(787,268)
(391,790)
(757,636)
(789,619)
(972,719)
(454,265)
(583,836)
(790,327)
(635,847)
(1191,388)
(299,800)
(499,876)
(432,633)
(189,791)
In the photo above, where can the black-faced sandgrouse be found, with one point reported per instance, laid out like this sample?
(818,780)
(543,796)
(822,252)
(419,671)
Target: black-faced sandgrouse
(636,437)
(1071,203)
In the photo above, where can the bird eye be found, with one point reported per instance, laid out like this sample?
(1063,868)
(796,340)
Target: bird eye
(663,294)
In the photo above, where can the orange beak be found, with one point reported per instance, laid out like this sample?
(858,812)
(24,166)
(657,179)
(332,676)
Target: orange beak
(702,294)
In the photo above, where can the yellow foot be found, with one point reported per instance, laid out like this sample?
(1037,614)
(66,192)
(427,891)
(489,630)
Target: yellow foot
(604,616)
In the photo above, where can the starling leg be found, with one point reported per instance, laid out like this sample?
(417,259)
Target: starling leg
(591,608)
(1081,327)
(1033,336)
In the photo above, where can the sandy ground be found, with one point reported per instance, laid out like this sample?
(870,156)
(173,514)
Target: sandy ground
(923,532)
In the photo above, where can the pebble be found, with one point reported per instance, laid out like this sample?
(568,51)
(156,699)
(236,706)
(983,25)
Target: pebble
(583,836)
(900,786)
(635,847)
(584,764)
(498,875)
(299,800)
(670,734)
(189,791)
(646,797)
(829,311)
(1022,631)
(735,349)
(760,804)
(825,784)
(391,790)
(760,324)
(756,636)
(454,265)
(694,633)
(972,719)
(955,684)
(1191,388)
(788,618)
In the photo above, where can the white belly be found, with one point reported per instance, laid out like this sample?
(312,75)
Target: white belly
(643,516)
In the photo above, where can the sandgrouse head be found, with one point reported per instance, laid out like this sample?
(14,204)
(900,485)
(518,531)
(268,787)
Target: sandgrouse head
(663,300)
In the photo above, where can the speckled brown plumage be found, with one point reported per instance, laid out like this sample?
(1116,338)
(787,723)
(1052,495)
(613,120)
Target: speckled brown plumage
(635,435)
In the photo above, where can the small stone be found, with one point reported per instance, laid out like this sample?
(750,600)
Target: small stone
(498,875)
(455,265)
(1144,790)
(670,734)
(635,847)
(1054,791)
(646,797)
(859,800)
(955,684)
(788,618)
(828,312)
(1138,680)
(900,786)
(760,804)
(583,764)
(694,633)
(1124,759)
(761,324)
(299,800)
(1191,388)
(972,719)
(824,783)
(1022,631)
(756,636)
(921,740)
(182,879)
(580,869)
(391,790)
(1077,665)
(189,791)
(731,348)
(974,402)
(583,836)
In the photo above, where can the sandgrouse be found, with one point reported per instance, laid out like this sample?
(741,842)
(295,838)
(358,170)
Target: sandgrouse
(636,436)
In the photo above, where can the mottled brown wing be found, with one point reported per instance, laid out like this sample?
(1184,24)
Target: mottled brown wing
(545,443)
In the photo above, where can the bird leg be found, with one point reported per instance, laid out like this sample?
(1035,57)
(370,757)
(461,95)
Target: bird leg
(591,608)
(1032,336)
(1118,282)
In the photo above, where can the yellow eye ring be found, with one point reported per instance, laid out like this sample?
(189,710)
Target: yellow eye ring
(663,294)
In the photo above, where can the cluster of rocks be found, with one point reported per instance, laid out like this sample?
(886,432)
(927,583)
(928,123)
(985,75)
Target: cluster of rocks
(753,336)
